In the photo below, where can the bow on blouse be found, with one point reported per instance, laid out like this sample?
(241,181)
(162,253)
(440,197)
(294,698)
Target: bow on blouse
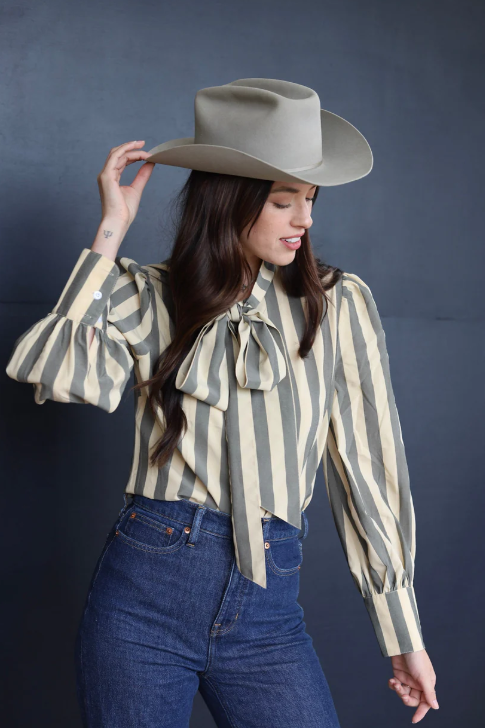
(240,356)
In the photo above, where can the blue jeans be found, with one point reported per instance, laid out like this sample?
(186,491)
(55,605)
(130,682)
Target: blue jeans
(168,613)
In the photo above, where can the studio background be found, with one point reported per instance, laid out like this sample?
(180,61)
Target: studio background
(81,77)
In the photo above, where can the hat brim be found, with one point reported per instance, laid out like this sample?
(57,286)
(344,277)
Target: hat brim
(346,155)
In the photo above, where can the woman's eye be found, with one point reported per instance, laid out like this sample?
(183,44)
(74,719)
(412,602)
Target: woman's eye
(281,207)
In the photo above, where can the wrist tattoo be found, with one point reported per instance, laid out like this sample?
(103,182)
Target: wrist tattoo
(107,233)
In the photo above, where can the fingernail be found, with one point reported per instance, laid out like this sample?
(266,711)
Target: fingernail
(435,704)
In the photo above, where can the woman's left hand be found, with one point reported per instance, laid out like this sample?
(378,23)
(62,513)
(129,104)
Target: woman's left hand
(414,681)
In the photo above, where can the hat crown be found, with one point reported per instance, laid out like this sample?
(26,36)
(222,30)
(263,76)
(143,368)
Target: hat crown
(274,120)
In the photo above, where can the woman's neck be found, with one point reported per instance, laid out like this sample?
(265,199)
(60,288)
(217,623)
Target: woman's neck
(255,265)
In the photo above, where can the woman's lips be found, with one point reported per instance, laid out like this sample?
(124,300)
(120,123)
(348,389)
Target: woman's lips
(291,246)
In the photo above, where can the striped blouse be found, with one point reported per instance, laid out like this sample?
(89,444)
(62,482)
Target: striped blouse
(260,419)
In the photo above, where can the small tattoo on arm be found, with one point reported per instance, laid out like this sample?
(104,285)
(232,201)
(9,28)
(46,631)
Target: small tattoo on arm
(107,233)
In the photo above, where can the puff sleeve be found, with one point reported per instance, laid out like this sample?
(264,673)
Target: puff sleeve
(367,476)
(54,353)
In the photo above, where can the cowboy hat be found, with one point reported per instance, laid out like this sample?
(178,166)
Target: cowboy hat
(268,129)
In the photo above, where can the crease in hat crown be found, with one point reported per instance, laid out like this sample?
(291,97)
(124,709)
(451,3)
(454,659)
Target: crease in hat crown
(285,114)
(268,129)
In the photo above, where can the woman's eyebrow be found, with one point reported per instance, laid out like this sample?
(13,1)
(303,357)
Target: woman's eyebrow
(285,188)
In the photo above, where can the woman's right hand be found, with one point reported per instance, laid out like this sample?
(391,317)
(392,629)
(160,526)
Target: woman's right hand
(119,203)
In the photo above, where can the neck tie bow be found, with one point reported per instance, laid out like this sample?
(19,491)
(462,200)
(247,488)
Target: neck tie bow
(239,365)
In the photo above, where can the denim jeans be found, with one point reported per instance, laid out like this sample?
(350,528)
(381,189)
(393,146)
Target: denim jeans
(168,613)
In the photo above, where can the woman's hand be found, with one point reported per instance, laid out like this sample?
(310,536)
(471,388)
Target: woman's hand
(414,681)
(121,204)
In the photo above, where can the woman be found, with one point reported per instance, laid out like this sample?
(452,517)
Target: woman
(254,360)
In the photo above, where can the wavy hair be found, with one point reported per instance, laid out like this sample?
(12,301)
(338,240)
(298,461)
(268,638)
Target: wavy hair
(206,270)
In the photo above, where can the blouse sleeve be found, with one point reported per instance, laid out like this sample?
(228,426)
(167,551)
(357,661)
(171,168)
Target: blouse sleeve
(367,476)
(54,353)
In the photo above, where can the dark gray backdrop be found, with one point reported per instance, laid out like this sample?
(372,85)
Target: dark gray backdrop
(79,78)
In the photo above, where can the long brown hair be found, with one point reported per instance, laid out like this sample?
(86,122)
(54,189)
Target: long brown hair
(206,274)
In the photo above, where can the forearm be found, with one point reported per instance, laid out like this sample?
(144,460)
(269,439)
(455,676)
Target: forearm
(107,242)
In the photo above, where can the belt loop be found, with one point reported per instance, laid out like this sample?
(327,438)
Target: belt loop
(123,509)
(266,527)
(194,529)
(305,525)
(126,505)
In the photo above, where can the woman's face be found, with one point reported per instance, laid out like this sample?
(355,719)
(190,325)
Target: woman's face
(286,214)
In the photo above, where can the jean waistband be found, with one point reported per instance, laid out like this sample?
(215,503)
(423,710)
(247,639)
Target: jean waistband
(214,521)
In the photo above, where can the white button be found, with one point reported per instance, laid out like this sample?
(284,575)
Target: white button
(97,295)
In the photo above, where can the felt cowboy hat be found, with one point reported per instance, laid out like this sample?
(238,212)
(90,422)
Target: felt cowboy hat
(268,129)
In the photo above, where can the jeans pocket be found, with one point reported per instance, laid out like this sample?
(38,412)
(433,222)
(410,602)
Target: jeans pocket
(151,531)
(285,556)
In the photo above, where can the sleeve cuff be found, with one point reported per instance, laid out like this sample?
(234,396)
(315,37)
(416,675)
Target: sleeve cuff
(394,616)
(86,293)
